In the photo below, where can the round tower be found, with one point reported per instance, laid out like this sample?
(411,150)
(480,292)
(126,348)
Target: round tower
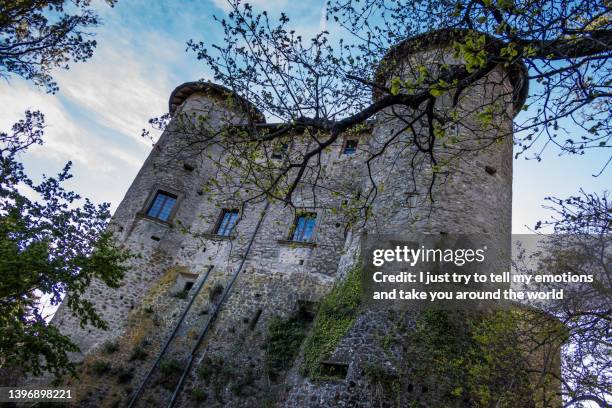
(167,189)
(448,171)
(452,170)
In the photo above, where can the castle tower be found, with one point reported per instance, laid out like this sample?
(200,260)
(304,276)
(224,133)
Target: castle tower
(376,362)
(167,188)
(468,189)
(223,295)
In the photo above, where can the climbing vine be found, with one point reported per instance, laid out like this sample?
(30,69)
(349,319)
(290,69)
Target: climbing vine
(336,314)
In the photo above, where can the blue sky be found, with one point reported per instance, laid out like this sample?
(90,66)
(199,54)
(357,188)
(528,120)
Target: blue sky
(96,118)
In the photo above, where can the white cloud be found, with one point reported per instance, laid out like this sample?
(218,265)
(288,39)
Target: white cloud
(64,139)
(61,134)
(323,18)
(115,89)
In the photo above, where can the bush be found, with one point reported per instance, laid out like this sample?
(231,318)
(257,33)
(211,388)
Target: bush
(110,347)
(100,367)
(199,395)
(139,353)
(170,371)
(284,341)
(206,370)
(215,291)
(335,316)
(170,367)
(378,374)
(124,375)
(182,294)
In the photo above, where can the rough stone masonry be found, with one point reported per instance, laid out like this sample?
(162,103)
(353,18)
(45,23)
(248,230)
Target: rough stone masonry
(281,280)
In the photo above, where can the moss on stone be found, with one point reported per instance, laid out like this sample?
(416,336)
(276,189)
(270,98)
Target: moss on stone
(480,363)
(285,338)
(335,316)
(110,347)
(199,395)
(100,367)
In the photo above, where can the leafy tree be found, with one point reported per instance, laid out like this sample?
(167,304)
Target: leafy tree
(50,247)
(37,36)
(580,245)
(321,90)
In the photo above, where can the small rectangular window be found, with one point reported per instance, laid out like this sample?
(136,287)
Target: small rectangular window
(162,205)
(227,222)
(303,230)
(279,151)
(350,146)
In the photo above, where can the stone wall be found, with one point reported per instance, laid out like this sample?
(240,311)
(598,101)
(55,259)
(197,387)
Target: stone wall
(278,279)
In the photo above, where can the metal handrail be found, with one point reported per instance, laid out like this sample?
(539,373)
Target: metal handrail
(169,340)
(218,305)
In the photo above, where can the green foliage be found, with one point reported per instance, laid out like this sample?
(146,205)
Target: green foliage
(39,36)
(170,367)
(48,245)
(472,49)
(110,347)
(388,381)
(396,86)
(206,370)
(481,362)
(486,116)
(182,294)
(170,371)
(438,88)
(100,367)
(335,316)
(199,395)
(284,341)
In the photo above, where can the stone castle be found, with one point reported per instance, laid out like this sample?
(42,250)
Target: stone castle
(223,314)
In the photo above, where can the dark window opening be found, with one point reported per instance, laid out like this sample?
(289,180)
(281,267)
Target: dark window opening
(307,309)
(227,222)
(350,146)
(303,229)
(188,286)
(162,206)
(334,369)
